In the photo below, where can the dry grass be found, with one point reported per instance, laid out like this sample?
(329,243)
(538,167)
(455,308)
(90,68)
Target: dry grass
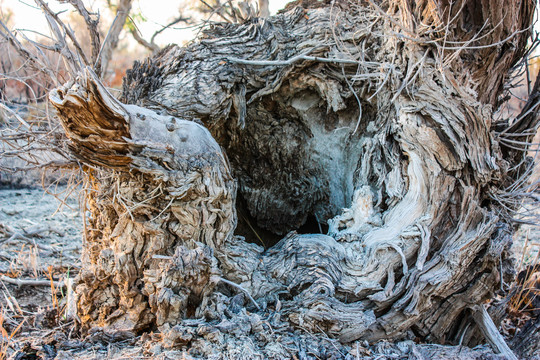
(6,336)
(58,305)
(527,287)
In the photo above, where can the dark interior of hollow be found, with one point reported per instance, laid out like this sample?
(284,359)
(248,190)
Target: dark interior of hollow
(248,228)
(253,233)
(293,162)
(313,226)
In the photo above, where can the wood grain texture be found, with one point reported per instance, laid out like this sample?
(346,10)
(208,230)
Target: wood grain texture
(335,113)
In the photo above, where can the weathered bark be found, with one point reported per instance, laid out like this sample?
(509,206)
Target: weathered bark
(360,116)
(125,244)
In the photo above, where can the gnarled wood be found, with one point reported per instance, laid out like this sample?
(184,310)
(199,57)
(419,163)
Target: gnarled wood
(178,203)
(356,115)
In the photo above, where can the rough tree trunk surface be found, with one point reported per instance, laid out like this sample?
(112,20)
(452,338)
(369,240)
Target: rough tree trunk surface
(369,121)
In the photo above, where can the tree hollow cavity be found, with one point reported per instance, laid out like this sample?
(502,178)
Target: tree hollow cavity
(303,175)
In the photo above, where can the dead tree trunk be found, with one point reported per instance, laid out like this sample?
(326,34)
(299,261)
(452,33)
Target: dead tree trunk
(361,133)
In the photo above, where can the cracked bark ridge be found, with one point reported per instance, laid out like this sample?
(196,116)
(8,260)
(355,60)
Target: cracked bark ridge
(165,203)
(390,144)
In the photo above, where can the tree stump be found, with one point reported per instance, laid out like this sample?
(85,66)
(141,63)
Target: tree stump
(361,135)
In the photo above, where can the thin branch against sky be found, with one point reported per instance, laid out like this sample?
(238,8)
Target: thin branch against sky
(157,14)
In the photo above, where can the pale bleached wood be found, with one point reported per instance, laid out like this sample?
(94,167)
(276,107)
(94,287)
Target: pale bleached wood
(489,330)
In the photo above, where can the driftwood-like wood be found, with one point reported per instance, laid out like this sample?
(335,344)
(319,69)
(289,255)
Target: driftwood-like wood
(490,332)
(179,203)
(371,120)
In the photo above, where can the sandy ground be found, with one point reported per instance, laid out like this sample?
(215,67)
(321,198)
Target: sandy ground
(37,232)
(40,240)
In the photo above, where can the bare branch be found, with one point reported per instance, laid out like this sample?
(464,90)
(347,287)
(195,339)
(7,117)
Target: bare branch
(218,11)
(30,282)
(91,25)
(34,61)
(489,330)
(137,36)
(70,57)
(20,119)
(233,284)
(172,23)
(291,61)
(111,39)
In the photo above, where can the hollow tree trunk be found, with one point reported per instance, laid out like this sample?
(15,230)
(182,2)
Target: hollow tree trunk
(370,122)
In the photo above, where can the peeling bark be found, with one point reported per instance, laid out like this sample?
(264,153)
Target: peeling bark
(355,115)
